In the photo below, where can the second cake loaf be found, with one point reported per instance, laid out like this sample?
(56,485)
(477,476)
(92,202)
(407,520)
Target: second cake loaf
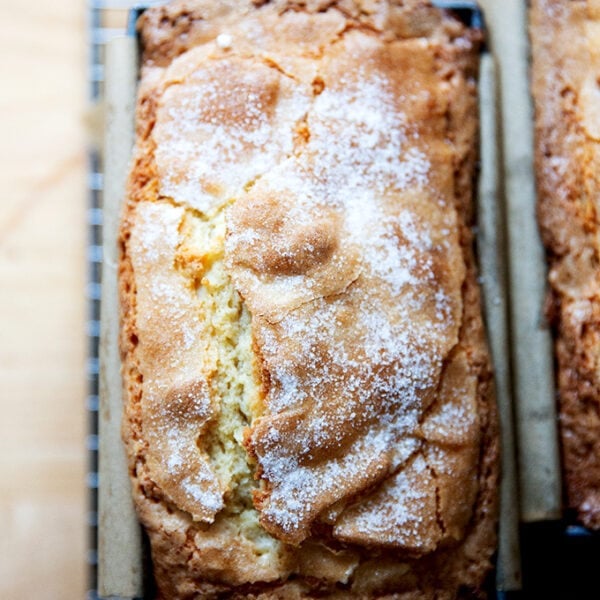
(566,67)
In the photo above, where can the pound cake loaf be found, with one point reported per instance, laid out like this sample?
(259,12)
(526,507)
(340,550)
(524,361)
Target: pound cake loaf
(309,402)
(566,67)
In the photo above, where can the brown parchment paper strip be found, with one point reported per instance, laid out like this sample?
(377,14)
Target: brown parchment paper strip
(119,535)
(531,343)
(491,251)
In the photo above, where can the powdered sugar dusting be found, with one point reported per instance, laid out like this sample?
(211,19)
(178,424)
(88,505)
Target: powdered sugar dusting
(200,491)
(213,138)
(357,160)
(176,401)
(360,138)
(453,421)
(354,287)
(300,496)
(401,513)
(351,368)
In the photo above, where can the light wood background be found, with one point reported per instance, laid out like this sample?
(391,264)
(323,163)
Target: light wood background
(43,499)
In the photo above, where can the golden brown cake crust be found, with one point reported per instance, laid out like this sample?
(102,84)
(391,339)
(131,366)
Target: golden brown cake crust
(567,103)
(379,479)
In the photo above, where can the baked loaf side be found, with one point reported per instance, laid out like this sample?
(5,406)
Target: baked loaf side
(309,401)
(567,104)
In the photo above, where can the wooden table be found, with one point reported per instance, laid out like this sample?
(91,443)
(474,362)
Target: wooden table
(42,305)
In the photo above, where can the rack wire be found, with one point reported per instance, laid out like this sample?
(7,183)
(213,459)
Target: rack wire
(107,19)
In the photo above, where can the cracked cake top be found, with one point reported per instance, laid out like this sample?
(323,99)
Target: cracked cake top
(307,326)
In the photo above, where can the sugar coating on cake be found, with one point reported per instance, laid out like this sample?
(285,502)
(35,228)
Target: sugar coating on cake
(310,408)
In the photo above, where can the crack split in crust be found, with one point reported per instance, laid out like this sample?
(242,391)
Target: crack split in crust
(224,233)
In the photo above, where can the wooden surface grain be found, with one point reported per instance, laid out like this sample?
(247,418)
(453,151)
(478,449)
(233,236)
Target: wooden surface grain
(42,305)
